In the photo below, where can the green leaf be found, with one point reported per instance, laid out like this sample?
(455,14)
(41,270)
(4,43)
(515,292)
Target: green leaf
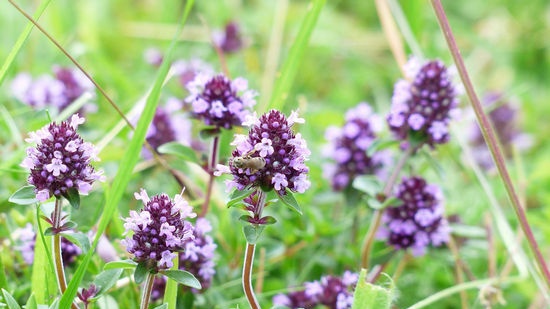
(245,218)
(289,200)
(24,196)
(209,132)
(163,306)
(392,202)
(171,289)
(186,300)
(370,296)
(31,303)
(3,279)
(73,196)
(369,184)
(183,277)
(124,264)
(79,239)
(69,225)
(107,279)
(269,220)
(128,162)
(55,304)
(239,195)
(141,272)
(43,280)
(380,144)
(186,153)
(373,203)
(49,231)
(252,232)
(10,301)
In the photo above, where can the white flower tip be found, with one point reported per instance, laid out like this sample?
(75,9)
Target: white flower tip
(294,118)
(76,120)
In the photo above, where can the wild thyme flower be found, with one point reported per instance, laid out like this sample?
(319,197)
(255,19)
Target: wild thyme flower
(272,156)
(332,292)
(422,106)
(56,92)
(220,102)
(230,40)
(198,256)
(159,229)
(348,147)
(418,222)
(61,160)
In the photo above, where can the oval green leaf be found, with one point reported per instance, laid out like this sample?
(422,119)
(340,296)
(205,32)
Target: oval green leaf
(183,277)
(289,200)
(24,196)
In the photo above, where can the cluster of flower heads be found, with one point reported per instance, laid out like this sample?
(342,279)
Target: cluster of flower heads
(418,222)
(422,106)
(61,160)
(332,292)
(27,240)
(504,118)
(57,91)
(348,147)
(219,101)
(271,156)
(159,229)
(230,40)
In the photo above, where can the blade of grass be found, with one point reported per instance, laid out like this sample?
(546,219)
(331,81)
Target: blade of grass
(171,290)
(20,40)
(295,56)
(128,162)
(43,282)
(12,127)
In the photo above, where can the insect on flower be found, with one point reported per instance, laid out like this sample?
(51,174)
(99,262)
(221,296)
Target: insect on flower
(246,161)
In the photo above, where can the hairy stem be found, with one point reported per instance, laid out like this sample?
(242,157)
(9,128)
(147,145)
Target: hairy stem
(247,276)
(211,166)
(377,216)
(490,138)
(147,289)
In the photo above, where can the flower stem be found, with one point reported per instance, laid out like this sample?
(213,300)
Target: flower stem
(147,289)
(377,216)
(211,166)
(247,276)
(490,138)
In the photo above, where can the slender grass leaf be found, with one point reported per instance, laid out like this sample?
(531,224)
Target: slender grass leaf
(107,279)
(295,55)
(183,277)
(184,152)
(128,162)
(3,280)
(163,306)
(124,264)
(43,282)
(24,196)
(20,40)
(289,200)
(10,301)
(171,289)
(81,240)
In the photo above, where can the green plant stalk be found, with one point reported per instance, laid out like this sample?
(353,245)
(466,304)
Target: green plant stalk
(247,276)
(211,167)
(171,289)
(147,289)
(377,216)
(490,138)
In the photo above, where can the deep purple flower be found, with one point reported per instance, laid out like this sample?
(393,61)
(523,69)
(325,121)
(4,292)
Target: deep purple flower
(159,229)
(421,108)
(230,40)
(57,91)
(418,222)
(198,256)
(61,160)
(332,292)
(220,102)
(348,147)
(86,295)
(27,240)
(272,156)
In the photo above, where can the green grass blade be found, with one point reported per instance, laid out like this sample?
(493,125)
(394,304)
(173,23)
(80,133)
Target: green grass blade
(20,40)
(43,282)
(171,290)
(295,55)
(128,162)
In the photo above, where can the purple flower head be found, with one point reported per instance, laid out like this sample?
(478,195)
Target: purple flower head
(57,91)
(348,147)
(422,106)
(159,229)
(272,156)
(220,102)
(419,221)
(61,160)
(187,70)
(27,239)
(332,292)
(230,40)
(198,256)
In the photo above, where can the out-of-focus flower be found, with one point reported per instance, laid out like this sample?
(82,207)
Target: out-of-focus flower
(348,147)
(160,229)
(272,156)
(220,102)
(418,222)
(229,41)
(332,292)
(184,69)
(423,105)
(57,91)
(61,160)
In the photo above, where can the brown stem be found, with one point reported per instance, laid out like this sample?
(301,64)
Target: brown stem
(377,216)
(147,289)
(211,166)
(490,138)
(458,271)
(247,276)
